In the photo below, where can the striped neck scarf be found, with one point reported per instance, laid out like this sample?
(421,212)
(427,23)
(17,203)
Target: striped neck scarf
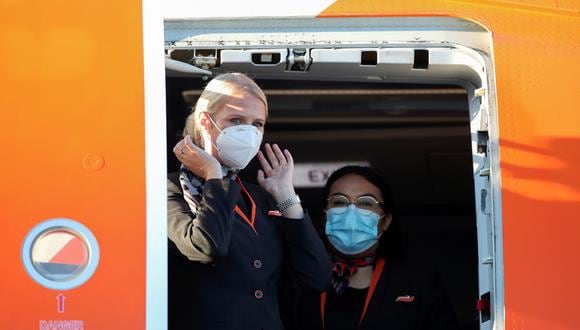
(192,185)
(342,269)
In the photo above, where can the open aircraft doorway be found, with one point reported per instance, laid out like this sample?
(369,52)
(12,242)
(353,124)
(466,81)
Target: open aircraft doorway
(415,105)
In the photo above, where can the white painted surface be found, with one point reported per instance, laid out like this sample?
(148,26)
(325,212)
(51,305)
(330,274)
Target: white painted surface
(247,8)
(155,166)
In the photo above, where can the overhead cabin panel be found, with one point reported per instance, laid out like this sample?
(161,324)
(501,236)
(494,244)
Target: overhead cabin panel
(254,60)
(397,63)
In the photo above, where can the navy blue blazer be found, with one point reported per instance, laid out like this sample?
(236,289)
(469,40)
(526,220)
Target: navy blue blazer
(222,274)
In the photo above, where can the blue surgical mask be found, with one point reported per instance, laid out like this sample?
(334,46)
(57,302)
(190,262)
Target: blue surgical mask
(352,230)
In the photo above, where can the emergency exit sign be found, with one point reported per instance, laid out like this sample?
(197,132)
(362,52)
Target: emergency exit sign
(314,175)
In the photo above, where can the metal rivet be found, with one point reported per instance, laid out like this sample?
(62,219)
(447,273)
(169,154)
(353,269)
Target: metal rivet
(93,162)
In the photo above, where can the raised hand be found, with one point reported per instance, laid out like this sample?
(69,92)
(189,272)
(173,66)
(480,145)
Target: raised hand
(197,160)
(276,173)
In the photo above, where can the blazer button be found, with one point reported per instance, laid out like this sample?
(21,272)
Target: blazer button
(258,294)
(258,263)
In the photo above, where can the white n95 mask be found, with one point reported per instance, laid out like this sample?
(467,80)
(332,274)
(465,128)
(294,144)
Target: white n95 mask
(237,145)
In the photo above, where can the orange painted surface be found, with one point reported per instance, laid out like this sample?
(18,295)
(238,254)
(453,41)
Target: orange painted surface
(536,50)
(73,146)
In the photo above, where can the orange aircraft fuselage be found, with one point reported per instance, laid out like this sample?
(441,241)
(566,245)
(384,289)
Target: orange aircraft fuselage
(73,146)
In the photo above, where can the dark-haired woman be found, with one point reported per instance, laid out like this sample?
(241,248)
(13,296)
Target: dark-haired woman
(373,286)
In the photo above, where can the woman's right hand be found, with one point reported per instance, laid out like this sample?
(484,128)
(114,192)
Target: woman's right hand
(197,160)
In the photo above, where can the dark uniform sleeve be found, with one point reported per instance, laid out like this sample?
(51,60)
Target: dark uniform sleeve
(308,259)
(206,235)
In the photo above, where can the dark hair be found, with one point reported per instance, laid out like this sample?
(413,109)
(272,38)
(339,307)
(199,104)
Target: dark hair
(390,245)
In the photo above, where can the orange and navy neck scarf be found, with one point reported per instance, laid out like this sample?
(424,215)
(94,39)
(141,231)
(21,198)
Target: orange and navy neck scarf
(343,269)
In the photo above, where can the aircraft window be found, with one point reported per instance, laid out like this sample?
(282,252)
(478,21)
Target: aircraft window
(60,254)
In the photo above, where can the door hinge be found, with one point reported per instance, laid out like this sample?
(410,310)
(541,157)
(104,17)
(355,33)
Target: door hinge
(298,59)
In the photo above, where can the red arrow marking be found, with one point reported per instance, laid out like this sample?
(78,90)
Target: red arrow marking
(60,303)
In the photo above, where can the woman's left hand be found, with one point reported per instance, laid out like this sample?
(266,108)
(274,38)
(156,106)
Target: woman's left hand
(277,172)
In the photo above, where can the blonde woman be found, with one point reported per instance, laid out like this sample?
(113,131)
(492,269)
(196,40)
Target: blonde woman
(230,242)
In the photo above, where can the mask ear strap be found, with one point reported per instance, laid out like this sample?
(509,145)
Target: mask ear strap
(212,121)
(206,136)
(382,231)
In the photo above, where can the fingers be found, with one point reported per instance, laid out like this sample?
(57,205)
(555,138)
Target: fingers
(276,160)
(185,149)
(188,143)
(263,162)
(178,147)
(289,158)
(271,155)
(275,155)
(279,155)
(177,151)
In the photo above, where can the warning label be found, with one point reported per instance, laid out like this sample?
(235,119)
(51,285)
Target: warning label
(61,325)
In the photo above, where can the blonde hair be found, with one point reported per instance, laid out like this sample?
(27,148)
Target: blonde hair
(213,99)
